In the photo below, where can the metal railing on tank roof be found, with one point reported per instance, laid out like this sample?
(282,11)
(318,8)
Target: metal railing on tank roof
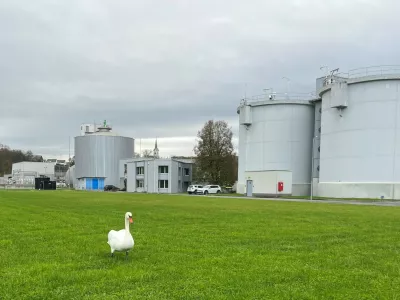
(362,72)
(374,70)
(279,97)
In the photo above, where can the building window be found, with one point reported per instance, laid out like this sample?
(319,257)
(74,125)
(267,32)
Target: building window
(125,169)
(179,170)
(186,171)
(163,184)
(163,169)
(139,170)
(139,183)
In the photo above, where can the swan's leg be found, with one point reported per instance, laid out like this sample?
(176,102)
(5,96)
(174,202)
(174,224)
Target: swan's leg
(112,252)
(126,256)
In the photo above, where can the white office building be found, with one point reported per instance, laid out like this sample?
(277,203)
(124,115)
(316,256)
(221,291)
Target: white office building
(156,175)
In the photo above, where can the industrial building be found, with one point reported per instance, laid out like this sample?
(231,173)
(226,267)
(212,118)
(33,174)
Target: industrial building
(156,175)
(24,173)
(344,141)
(89,128)
(97,157)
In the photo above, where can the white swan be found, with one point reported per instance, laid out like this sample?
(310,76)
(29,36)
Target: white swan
(121,240)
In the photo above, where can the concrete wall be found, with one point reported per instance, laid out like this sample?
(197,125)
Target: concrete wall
(265,183)
(131,177)
(175,178)
(359,190)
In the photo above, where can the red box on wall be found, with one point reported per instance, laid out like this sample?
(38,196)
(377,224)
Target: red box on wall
(280,186)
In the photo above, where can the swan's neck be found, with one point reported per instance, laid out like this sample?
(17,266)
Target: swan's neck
(127,225)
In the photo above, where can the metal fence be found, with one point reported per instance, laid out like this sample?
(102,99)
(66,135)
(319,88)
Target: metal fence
(362,72)
(374,70)
(280,97)
(16,186)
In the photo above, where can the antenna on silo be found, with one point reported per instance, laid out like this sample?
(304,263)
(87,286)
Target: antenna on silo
(334,70)
(287,86)
(326,68)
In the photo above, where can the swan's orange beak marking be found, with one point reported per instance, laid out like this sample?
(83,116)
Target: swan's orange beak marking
(130,220)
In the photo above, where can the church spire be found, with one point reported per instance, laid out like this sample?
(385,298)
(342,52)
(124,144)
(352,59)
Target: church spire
(156,151)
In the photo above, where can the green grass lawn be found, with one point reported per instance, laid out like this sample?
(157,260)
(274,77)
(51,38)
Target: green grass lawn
(53,246)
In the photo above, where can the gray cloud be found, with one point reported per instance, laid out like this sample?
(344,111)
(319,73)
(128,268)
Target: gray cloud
(161,68)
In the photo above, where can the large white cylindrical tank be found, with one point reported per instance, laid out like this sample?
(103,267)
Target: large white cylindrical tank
(97,155)
(360,138)
(275,136)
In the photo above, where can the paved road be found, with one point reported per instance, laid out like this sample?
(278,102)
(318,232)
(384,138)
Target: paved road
(331,201)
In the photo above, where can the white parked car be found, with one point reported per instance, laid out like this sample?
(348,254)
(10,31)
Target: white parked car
(192,189)
(209,189)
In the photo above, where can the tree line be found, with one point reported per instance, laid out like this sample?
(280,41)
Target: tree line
(9,156)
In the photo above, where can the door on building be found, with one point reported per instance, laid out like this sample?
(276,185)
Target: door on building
(95,183)
(249,188)
(88,183)
(101,183)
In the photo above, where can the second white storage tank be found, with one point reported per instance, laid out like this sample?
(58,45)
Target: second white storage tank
(278,138)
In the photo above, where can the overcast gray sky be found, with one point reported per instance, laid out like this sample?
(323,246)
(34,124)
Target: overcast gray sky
(163,68)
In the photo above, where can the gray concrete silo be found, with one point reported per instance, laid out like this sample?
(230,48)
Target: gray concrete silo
(97,157)
(360,135)
(275,145)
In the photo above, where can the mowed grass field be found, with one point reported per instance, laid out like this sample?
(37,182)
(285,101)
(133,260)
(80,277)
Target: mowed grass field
(53,246)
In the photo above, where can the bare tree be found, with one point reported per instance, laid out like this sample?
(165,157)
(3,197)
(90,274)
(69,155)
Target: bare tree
(215,154)
(147,153)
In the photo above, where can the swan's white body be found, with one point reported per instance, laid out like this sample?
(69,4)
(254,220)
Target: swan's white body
(121,240)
